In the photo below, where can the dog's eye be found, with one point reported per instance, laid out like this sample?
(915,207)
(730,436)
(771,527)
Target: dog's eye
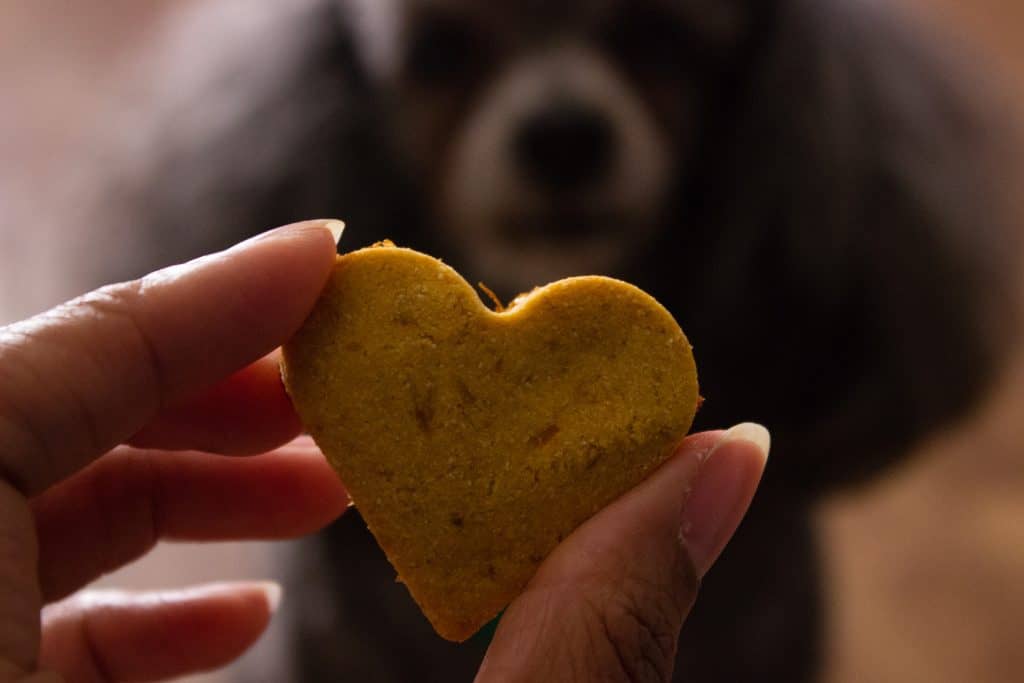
(649,42)
(443,50)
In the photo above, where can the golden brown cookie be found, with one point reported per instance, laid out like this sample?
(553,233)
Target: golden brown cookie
(474,441)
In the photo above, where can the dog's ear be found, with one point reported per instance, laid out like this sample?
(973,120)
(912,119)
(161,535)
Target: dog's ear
(376,30)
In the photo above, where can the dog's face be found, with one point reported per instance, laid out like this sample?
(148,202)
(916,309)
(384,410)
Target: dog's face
(547,134)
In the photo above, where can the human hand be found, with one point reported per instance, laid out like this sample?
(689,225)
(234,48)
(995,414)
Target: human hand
(177,362)
(609,602)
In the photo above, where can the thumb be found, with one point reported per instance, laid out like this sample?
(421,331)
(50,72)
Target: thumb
(609,602)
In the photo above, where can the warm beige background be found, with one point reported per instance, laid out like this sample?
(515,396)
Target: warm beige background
(926,568)
(60,62)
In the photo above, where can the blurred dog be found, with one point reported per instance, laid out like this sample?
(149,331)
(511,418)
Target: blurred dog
(808,185)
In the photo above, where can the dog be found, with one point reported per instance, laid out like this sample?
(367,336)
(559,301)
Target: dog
(811,187)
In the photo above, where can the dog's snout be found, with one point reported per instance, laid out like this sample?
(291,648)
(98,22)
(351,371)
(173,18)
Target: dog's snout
(565,147)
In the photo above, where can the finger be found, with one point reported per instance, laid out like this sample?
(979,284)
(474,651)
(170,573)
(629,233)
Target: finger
(78,380)
(724,490)
(245,414)
(609,602)
(115,510)
(106,636)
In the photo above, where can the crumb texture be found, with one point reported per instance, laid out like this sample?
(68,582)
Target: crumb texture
(472,441)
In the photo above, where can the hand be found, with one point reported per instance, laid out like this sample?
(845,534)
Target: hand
(177,363)
(609,602)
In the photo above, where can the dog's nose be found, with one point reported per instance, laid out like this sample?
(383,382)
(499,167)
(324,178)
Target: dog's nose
(564,147)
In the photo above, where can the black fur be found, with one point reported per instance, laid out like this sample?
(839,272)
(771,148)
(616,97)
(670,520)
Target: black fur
(836,254)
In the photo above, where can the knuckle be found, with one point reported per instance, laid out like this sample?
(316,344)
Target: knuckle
(640,617)
(61,371)
(71,641)
(120,305)
(94,654)
(641,633)
(124,301)
(26,444)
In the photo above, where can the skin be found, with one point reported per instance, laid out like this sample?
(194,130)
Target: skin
(113,408)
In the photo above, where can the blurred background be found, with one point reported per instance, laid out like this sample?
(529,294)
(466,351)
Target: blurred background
(923,567)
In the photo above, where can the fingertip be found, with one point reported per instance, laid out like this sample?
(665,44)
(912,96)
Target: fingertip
(290,492)
(336,228)
(623,575)
(647,515)
(248,603)
(752,432)
(321,229)
(156,635)
(272,593)
(722,492)
(216,315)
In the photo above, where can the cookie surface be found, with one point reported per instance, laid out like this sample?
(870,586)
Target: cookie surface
(474,441)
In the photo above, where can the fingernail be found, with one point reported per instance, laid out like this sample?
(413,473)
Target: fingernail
(337,228)
(272,591)
(168,275)
(722,491)
(332,226)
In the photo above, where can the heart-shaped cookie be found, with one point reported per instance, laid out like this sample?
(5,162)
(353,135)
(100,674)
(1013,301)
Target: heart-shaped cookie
(474,441)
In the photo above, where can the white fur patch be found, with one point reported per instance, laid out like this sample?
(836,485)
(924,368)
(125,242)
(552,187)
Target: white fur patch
(483,187)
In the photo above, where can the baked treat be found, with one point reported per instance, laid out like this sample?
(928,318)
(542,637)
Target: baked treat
(473,441)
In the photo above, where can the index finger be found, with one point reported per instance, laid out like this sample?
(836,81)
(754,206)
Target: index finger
(85,376)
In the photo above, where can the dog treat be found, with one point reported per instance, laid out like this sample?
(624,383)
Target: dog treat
(474,441)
